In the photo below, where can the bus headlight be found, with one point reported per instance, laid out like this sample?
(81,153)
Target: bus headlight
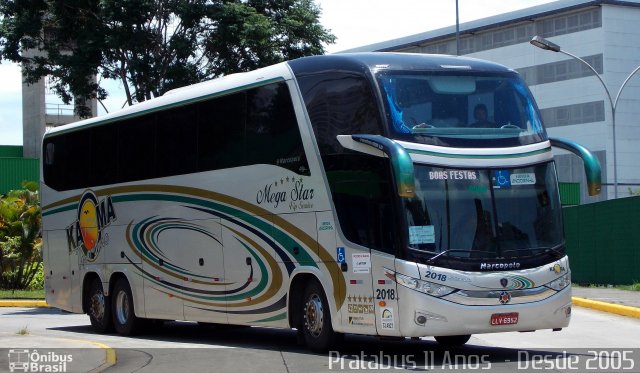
(561,282)
(430,288)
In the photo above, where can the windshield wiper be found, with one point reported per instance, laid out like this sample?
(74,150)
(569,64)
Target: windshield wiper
(553,250)
(432,260)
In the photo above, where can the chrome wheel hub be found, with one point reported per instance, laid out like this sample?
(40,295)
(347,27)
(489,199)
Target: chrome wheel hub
(97,306)
(122,308)
(314,315)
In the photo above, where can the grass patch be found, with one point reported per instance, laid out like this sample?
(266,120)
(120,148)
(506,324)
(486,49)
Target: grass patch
(633,287)
(22,294)
(23,331)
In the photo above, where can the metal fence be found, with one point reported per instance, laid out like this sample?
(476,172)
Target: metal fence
(13,171)
(603,241)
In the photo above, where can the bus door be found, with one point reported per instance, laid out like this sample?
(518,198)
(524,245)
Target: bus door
(56,259)
(358,311)
(326,228)
(77,269)
(385,293)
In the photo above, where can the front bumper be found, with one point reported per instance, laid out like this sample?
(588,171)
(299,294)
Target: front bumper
(443,317)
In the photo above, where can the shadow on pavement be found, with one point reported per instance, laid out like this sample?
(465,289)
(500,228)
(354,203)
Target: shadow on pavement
(355,352)
(40,311)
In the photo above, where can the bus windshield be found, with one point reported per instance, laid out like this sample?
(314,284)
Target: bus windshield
(484,214)
(463,109)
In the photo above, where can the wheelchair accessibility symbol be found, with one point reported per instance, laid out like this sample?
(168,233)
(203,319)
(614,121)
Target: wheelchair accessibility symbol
(340,255)
(501,179)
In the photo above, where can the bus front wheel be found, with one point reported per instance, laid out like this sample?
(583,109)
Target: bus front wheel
(99,308)
(453,340)
(124,318)
(316,321)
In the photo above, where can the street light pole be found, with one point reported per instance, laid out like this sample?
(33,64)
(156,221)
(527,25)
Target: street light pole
(544,44)
(457,30)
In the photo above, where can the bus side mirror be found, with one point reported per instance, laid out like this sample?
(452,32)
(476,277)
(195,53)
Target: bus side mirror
(401,163)
(591,163)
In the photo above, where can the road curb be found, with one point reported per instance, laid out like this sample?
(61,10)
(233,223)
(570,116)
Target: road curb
(23,303)
(607,307)
(110,358)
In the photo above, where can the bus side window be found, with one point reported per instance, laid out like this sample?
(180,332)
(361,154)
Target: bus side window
(104,163)
(136,144)
(221,122)
(343,104)
(176,142)
(78,160)
(53,169)
(272,133)
(339,104)
(361,190)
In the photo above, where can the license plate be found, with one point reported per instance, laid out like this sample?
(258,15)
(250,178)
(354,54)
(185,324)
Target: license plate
(504,318)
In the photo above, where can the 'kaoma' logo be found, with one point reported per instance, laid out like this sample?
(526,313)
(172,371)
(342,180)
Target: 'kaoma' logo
(93,217)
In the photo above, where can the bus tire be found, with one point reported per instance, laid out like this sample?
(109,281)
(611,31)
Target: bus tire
(316,319)
(124,318)
(99,308)
(453,340)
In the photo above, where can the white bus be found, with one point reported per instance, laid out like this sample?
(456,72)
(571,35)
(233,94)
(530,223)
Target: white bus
(382,194)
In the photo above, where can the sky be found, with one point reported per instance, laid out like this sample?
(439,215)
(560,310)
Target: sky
(354,23)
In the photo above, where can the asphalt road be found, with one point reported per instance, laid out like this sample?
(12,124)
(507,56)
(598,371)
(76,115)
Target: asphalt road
(604,341)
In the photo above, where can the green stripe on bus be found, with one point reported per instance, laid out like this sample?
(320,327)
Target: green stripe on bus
(479,156)
(281,316)
(72,206)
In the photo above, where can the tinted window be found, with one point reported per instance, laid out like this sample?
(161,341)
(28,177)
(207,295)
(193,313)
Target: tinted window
(221,123)
(361,190)
(136,149)
(104,162)
(257,126)
(339,104)
(176,142)
(344,104)
(54,162)
(272,134)
(77,166)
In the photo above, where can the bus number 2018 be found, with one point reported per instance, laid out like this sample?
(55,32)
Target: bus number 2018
(385,294)
(435,276)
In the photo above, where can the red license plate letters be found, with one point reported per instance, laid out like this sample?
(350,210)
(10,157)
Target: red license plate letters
(504,318)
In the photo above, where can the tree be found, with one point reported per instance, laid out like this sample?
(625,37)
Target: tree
(152,46)
(20,237)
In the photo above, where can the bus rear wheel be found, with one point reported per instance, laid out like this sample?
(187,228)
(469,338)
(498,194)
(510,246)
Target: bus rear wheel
(124,318)
(316,321)
(453,340)
(99,308)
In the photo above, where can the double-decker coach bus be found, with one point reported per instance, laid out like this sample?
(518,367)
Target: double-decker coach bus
(384,194)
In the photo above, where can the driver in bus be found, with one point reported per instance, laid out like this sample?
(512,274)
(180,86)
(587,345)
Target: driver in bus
(481,116)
